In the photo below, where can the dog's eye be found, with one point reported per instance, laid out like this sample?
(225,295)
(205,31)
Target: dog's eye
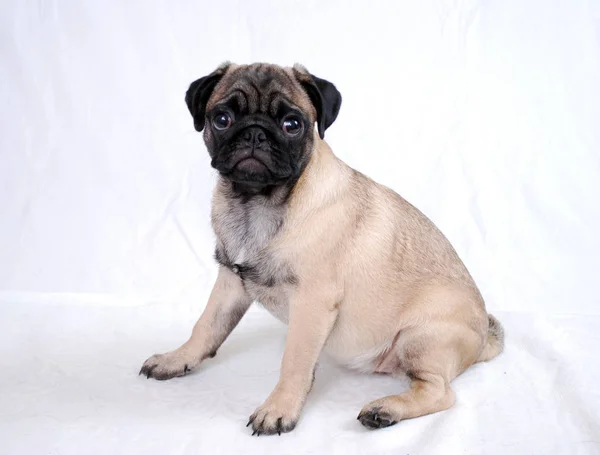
(292,126)
(222,121)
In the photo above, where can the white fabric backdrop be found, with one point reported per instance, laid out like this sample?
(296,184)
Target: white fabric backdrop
(484,114)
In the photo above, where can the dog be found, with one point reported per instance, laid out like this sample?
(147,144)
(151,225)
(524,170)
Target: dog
(350,266)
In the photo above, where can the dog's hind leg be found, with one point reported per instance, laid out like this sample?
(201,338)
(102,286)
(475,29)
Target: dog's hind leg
(431,355)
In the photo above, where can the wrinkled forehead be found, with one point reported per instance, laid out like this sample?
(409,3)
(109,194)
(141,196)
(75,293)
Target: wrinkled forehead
(260,88)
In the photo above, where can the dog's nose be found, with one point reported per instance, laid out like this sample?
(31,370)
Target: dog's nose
(254,135)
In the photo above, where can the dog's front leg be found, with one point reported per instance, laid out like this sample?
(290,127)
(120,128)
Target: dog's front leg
(313,312)
(227,303)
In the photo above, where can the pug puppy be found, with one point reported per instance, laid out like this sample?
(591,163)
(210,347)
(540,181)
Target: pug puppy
(348,264)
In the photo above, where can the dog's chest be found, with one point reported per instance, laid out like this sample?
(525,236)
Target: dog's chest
(245,234)
(246,230)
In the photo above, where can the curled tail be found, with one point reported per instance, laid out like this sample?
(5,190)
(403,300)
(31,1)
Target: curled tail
(495,340)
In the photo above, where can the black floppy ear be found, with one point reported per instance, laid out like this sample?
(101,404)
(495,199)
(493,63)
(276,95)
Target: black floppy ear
(326,99)
(199,92)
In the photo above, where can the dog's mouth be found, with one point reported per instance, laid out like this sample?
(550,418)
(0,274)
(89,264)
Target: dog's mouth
(263,166)
(249,170)
(251,165)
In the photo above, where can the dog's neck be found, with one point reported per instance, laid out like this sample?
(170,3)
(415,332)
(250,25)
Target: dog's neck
(269,194)
(323,180)
(245,225)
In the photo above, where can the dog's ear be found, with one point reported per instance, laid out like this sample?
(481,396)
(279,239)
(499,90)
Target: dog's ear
(199,92)
(326,99)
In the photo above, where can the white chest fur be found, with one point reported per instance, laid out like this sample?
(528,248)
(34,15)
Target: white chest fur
(246,230)
(245,234)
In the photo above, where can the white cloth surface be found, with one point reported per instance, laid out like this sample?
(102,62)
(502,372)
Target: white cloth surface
(484,114)
(71,387)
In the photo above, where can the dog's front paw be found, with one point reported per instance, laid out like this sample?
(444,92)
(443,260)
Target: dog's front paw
(279,414)
(169,365)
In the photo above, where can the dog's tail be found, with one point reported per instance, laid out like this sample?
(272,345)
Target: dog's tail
(495,340)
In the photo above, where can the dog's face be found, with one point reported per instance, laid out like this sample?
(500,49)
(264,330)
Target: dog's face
(258,121)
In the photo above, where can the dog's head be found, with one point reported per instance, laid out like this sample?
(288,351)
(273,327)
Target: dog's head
(258,121)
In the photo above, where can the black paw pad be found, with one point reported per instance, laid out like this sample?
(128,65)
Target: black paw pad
(375,418)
